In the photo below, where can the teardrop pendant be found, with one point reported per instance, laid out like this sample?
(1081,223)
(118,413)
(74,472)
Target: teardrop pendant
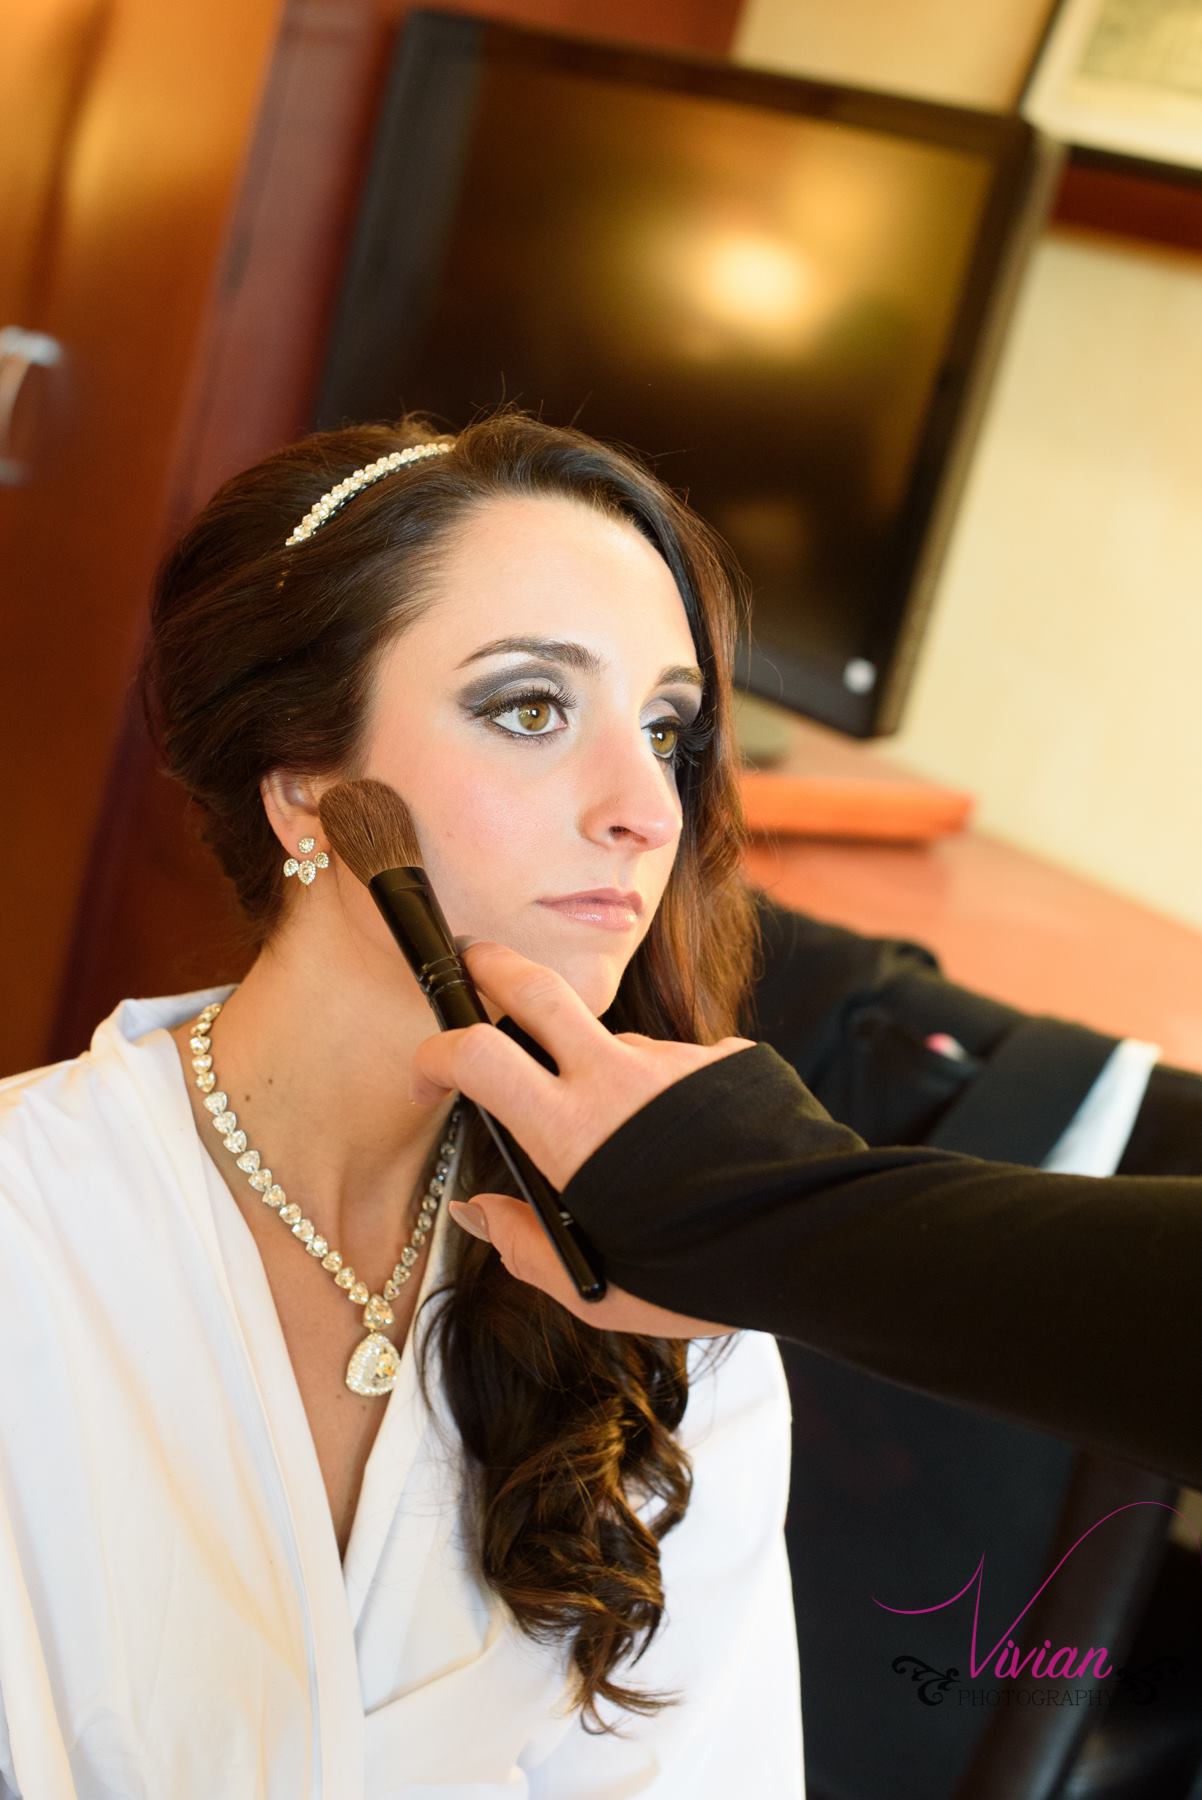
(373,1367)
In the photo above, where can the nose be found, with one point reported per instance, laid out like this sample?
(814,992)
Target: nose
(629,798)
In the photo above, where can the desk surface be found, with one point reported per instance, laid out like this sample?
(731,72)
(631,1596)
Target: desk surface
(999,920)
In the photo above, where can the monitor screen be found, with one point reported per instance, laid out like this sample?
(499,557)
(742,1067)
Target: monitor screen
(781,293)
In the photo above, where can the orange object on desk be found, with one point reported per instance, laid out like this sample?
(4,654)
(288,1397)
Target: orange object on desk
(853,807)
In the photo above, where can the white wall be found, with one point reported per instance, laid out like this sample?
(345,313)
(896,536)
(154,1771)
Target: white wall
(1061,678)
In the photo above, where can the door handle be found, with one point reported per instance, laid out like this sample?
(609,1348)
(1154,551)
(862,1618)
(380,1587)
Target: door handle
(20,352)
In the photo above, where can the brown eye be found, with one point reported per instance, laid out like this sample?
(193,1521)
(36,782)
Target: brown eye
(665,737)
(533,714)
(530,715)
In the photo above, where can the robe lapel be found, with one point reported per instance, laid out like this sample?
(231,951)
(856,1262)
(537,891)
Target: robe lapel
(297,1494)
(335,1673)
(401,1437)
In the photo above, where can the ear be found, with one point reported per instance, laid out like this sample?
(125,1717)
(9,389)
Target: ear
(290,802)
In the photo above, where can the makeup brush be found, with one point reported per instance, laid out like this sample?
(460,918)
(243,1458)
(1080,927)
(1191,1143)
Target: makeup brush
(370,828)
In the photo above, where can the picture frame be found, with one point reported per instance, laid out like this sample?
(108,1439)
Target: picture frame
(1124,77)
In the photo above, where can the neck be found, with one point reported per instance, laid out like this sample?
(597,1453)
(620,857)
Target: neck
(314,1049)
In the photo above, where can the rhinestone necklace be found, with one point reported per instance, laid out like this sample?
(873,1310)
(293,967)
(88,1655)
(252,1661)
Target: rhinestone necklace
(374,1366)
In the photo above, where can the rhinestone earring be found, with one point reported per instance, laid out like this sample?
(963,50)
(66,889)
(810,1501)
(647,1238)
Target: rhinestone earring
(309,864)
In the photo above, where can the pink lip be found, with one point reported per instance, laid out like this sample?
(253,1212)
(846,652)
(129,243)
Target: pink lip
(610,908)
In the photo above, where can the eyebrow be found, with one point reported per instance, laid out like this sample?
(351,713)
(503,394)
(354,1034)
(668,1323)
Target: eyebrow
(576,656)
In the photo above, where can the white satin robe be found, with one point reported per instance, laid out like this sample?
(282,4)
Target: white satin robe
(175,1620)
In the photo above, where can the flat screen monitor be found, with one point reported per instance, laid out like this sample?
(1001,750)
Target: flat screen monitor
(787,295)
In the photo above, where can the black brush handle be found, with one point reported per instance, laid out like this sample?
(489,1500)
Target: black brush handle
(571,1246)
(409,907)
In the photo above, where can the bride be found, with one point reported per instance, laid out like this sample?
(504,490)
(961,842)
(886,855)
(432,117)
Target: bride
(543,1559)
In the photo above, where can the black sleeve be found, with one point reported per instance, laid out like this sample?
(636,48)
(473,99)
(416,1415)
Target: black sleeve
(1166,1138)
(1064,1302)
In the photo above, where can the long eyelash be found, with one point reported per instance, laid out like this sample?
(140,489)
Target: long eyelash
(492,709)
(692,742)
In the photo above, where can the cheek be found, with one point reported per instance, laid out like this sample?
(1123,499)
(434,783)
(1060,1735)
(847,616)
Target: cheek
(481,823)
(484,835)
(495,836)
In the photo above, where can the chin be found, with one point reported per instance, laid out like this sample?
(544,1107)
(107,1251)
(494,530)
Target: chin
(595,978)
(594,971)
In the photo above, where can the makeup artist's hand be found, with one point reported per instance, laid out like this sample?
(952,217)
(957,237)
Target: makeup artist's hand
(523,1246)
(604,1079)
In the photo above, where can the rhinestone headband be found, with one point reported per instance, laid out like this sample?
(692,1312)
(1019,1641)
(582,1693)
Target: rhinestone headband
(336,498)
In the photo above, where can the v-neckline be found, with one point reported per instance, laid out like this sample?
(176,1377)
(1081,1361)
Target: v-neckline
(397,1441)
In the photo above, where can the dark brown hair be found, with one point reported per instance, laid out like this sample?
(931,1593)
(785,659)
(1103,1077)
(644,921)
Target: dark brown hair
(262,657)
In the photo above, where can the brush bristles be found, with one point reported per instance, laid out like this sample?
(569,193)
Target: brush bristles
(369,827)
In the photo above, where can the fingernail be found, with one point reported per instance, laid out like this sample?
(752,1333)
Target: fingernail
(472,1218)
(466,942)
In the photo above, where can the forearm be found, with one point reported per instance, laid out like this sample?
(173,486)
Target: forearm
(1065,1302)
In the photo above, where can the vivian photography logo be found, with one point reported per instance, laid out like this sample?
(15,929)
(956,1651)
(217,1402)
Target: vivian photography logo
(1006,1671)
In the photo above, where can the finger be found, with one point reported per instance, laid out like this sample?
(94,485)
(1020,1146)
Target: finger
(520,1242)
(539,1000)
(484,1064)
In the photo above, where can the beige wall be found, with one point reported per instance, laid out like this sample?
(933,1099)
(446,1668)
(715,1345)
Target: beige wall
(970,52)
(1061,679)
(1061,675)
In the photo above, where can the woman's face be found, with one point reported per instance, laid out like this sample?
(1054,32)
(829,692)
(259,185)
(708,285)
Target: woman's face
(530,720)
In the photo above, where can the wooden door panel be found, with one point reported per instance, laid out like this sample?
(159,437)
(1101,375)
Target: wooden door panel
(132,234)
(50,47)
